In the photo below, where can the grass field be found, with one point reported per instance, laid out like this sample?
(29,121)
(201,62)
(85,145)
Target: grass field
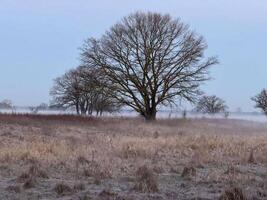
(68,157)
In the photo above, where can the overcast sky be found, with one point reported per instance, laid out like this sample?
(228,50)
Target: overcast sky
(39,41)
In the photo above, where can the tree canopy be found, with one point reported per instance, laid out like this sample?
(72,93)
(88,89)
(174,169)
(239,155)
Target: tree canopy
(150,59)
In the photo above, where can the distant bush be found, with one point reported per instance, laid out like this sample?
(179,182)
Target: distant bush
(261,101)
(6,104)
(211,104)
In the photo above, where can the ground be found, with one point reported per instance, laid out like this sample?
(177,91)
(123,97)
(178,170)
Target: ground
(68,157)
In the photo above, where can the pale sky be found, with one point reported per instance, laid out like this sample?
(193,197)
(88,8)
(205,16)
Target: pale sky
(39,41)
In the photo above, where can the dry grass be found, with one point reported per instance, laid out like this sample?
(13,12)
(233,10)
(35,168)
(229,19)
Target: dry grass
(63,189)
(13,188)
(189,172)
(100,150)
(30,183)
(233,194)
(146,180)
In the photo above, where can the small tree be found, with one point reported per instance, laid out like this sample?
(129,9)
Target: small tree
(211,104)
(36,109)
(67,91)
(261,101)
(85,89)
(6,104)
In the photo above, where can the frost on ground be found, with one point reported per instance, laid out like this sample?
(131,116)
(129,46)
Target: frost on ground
(67,157)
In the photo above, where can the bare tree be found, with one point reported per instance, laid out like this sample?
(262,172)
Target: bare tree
(6,104)
(211,104)
(36,109)
(151,60)
(261,101)
(67,90)
(85,89)
(98,90)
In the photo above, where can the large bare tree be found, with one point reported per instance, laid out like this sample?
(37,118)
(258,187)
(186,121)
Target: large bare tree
(150,59)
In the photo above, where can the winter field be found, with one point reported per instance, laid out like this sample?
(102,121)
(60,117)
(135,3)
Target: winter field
(251,116)
(71,157)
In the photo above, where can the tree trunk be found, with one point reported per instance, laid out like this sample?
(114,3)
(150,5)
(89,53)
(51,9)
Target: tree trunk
(82,108)
(77,108)
(83,111)
(150,114)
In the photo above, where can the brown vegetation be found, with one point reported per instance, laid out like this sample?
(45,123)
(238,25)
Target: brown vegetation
(233,194)
(146,180)
(62,189)
(187,158)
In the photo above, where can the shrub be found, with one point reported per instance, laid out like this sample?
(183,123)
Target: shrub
(62,189)
(189,172)
(30,183)
(146,180)
(233,194)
